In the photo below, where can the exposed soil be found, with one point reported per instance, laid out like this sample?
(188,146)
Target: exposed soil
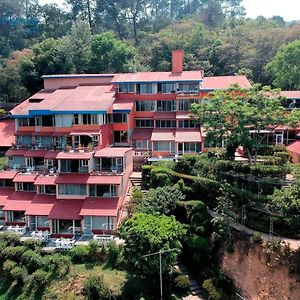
(256,278)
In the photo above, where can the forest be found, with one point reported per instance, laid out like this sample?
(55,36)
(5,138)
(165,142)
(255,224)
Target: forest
(95,36)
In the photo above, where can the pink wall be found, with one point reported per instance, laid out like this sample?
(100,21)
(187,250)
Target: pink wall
(107,135)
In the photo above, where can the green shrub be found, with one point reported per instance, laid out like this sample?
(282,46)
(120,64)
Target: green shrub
(279,148)
(182,283)
(136,193)
(13,253)
(95,288)
(38,279)
(57,264)
(211,290)
(11,239)
(19,274)
(283,157)
(113,254)
(79,254)
(257,237)
(32,261)
(186,209)
(9,265)
(198,251)
(33,245)
(93,249)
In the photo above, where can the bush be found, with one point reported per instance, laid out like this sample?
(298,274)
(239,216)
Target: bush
(198,251)
(113,254)
(182,283)
(211,290)
(38,280)
(11,239)
(79,254)
(283,156)
(186,209)
(19,274)
(32,261)
(13,253)
(9,265)
(33,245)
(57,264)
(94,288)
(93,249)
(257,237)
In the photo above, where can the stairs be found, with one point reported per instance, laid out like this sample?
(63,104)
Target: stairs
(136,181)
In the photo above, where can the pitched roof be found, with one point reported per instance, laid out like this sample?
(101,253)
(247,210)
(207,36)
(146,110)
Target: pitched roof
(41,205)
(8,174)
(290,94)
(18,201)
(294,147)
(100,207)
(74,155)
(4,194)
(157,77)
(187,135)
(7,130)
(23,177)
(163,135)
(45,180)
(66,209)
(112,152)
(73,99)
(224,82)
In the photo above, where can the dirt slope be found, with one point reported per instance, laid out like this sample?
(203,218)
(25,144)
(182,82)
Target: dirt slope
(249,268)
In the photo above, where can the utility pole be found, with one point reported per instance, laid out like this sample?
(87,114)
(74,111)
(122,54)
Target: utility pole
(159,253)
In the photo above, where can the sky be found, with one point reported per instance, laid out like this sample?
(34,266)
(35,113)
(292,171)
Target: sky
(288,9)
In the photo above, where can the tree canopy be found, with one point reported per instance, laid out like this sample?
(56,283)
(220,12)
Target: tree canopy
(145,234)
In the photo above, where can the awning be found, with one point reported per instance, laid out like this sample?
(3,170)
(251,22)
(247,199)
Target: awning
(88,133)
(35,153)
(100,207)
(74,155)
(66,209)
(4,194)
(23,177)
(60,133)
(143,134)
(104,179)
(18,201)
(164,115)
(45,180)
(41,205)
(123,106)
(7,174)
(112,152)
(187,135)
(163,135)
(183,116)
(51,154)
(16,152)
(88,179)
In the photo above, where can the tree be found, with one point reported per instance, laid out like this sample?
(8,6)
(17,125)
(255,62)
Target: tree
(161,200)
(94,288)
(144,234)
(285,66)
(110,54)
(230,114)
(49,57)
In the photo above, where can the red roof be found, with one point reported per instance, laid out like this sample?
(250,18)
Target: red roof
(51,154)
(158,77)
(7,130)
(4,194)
(8,174)
(187,135)
(66,209)
(100,207)
(163,135)
(18,201)
(141,134)
(41,205)
(294,147)
(290,94)
(88,179)
(16,152)
(74,155)
(35,153)
(123,105)
(45,180)
(224,82)
(164,115)
(23,177)
(81,98)
(112,152)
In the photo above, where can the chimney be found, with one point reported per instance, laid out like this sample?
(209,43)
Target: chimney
(177,61)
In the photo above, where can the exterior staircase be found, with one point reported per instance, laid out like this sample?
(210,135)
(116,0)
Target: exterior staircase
(136,181)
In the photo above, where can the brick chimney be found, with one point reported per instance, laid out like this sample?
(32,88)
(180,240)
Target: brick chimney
(177,61)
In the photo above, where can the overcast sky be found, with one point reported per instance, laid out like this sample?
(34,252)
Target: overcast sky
(288,9)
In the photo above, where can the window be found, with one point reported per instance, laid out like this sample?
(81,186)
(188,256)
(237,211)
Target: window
(167,88)
(144,123)
(90,119)
(25,186)
(146,88)
(97,190)
(126,88)
(140,144)
(187,124)
(188,87)
(185,104)
(164,146)
(47,189)
(71,189)
(120,137)
(145,105)
(165,123)
(166,105)
(75,119)
(120,118)
(27,122)
(189,147)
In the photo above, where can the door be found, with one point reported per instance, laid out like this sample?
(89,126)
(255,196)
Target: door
(279,139)
(87,225)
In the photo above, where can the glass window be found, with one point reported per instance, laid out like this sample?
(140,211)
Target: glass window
(120,118)
(120,137)
(140,144)
(144,123)
(164,146)
(126,88)
(71,189)
(185,104)
(145,105)
(146,88)
(166,105)
(187,124)
(165,123)
(188,87)
(167,88)
(97,190)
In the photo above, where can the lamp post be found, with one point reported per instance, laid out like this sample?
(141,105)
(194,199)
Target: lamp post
(159,253)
